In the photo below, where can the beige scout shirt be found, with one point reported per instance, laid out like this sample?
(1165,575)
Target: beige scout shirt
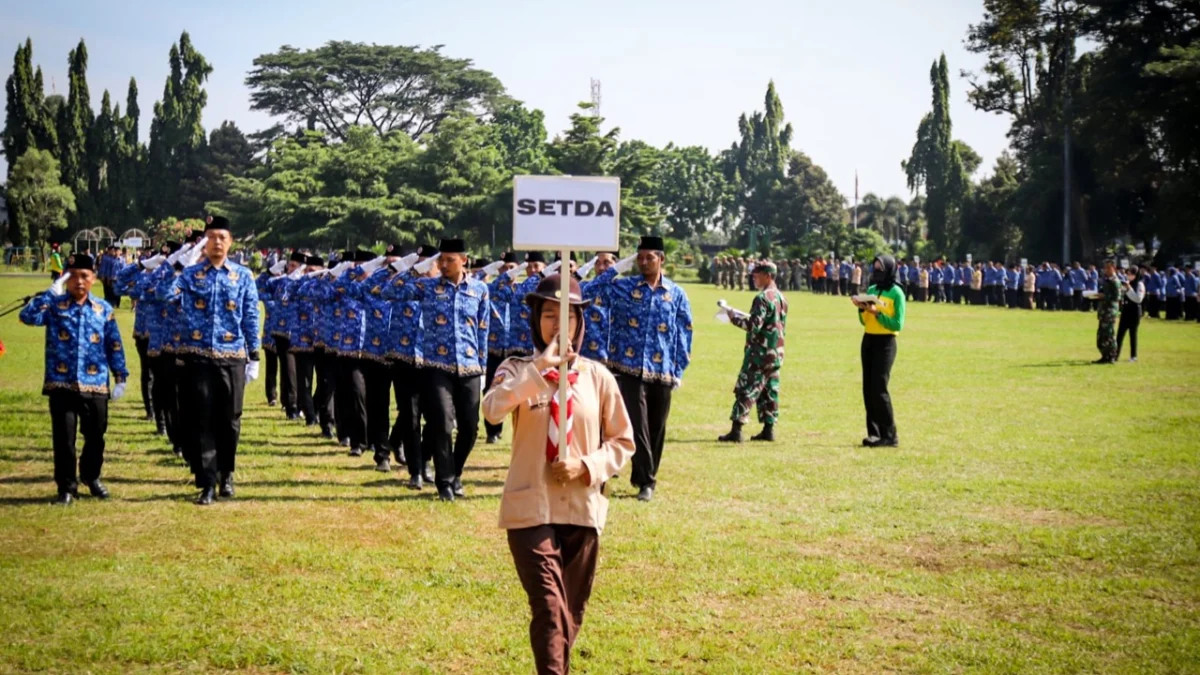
(602,438)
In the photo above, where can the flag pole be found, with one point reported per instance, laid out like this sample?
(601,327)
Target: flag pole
(564,346)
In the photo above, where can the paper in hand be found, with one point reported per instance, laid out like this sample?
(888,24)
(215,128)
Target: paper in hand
(866,299)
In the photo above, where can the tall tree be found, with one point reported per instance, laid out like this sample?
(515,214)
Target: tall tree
(756,167)
(228,154)
(344,84)
(74,124)
(937,165)
(520,134)
(27,124)
(691,190)
(36,189)
(128,165)
(464,168)
(177,138)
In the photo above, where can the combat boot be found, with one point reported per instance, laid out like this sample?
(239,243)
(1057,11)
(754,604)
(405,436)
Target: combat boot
(767,434)
(734,435)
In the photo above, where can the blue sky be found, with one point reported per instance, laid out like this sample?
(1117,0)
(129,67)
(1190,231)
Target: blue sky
(853,77)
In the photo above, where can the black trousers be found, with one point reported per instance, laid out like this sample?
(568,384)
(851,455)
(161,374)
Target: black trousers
(453,406)
(1152,304)
(1174,308)
(1189,308)
(878,355)
(166,397)
(649,406)
(378,379)
(406,431)
(493,363)
(1131,318)
(110,294)
(306,366)
(1079,302)
(287,374)
(323,398)
(351,397)
(71,411)
(272,374)
(218,390)
(147,378)
(1066,302)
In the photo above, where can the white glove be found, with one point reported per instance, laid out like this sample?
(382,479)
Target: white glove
(251,371)
(118,391)
(678,384)
(370,266)
(60,284)
(297,273)
(516,271)
(425,265)
(278,268)
(153,262)
(316,273)
(183,250)
(552,268)
(341,267)
(493,268)
(625,264)
(587,267)
(193,255)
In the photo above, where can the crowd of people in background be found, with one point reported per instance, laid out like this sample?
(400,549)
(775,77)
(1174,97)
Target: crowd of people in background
(1170,294)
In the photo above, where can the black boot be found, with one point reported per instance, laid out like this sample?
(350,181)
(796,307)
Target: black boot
(226,485)
(445,493)
(97,489)
(207,496)
(734,435)
(767,434)
(64,499)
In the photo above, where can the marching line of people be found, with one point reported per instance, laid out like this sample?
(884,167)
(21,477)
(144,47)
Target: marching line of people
(424,326)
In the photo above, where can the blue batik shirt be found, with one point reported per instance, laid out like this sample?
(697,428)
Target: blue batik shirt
(499,328)
(302,332)
(454,316)
(1065,285)
(595,322)
(520,336)
(1190,284)
(350,315)
(220,311)
(126,285)
(378,311)
(83,342)
(270,306)
(650,334)
(404,329)
(281,289)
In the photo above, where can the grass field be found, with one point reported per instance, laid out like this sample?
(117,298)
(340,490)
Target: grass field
(1041,515)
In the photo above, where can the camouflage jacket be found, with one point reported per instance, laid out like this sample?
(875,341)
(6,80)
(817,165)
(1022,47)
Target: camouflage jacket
(1110,305)
(765,328)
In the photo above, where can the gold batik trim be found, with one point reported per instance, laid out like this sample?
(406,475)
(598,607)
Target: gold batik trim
(640,373)
(210,353)
(74,386)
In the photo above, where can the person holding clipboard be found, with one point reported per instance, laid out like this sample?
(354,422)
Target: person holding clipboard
(554,504)
(881,312)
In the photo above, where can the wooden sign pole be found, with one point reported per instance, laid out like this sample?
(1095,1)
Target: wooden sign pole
(564,347)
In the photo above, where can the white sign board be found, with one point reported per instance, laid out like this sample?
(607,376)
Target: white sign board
(133,242)
(1024,262)
(969,257)
(578,213)
(1124,263)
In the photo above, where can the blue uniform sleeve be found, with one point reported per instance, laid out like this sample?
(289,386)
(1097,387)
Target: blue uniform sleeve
(250,317)
(683,336)
(481,329)
(114,351)
(37,312)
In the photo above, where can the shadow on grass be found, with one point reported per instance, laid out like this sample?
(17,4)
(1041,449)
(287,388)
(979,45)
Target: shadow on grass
(189,496)
(23,501)
(1057,364)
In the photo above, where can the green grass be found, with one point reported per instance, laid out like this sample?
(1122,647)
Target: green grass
(1040,516)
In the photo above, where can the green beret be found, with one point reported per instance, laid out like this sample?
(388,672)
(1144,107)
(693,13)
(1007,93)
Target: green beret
(767,267)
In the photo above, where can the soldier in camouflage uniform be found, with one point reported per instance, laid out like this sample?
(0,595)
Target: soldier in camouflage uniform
(714,268)
(785,274)
(758,381)
(740,273)
(1110,304)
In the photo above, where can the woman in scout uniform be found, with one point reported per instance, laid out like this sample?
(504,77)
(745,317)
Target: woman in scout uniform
(553,505)
(882,320)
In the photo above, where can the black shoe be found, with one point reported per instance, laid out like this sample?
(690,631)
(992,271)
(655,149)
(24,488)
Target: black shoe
(383,465)
(870,441)
(149,417)
(309,424)
(1102,361)
(64,499)
(179,452)
(161,430)
(493,439)
(882,443)
(97,489)
(356,451)
(207,497)
(645,494)
(445,494)
(457,487)
(345,442)
(415,483)
(272,402)
(326,432)
(767,434)
(227,486)
(428,477)
(734,435)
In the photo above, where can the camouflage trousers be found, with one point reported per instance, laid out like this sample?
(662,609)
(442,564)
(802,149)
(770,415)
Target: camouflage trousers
(756,387)
(1106,339)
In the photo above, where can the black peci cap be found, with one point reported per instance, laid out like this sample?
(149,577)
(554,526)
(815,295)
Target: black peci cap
(651,244)
(509,257)
(193,236)
(394,250)
(81,261)
(364,256)
(217,223)
(427,251)
(299,257)
(315,260)
(535,257)
(558,257)
(173,246)
(452,246)
(481,262)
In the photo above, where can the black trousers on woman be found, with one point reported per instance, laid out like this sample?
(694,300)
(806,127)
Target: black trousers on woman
(878,355)
(1131,318)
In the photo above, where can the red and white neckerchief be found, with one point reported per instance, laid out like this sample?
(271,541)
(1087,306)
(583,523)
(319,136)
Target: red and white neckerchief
(551,375)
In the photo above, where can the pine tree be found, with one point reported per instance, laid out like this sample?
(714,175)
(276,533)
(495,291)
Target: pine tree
(937,164)
(74,124)
(177,140)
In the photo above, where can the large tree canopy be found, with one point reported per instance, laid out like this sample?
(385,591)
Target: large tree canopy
(389,88)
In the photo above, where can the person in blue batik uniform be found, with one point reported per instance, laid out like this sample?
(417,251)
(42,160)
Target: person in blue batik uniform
(520,337)
(499,330)
(595,313)
(131,282)
(302,340)
(404,352)
(82,345)
(349,328)
(455,313)
(109,266)
(270,306)
(219,345)
(650,344)
(280,290)
(1066,292)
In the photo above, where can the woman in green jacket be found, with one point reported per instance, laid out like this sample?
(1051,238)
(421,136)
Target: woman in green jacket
(882,320)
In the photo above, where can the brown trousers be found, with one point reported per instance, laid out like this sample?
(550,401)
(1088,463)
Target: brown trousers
(556,564)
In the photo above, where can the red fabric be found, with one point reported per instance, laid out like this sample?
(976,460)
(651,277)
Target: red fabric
(552,434)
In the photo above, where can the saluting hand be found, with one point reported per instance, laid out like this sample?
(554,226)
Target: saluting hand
(550,358)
